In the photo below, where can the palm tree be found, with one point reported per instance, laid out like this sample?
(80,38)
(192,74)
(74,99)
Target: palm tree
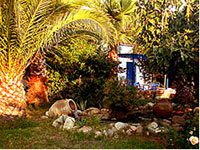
(27,26)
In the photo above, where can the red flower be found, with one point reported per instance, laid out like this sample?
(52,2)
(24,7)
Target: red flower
(62,80)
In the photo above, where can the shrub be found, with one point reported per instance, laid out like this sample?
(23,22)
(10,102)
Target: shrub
(119,96)
(180,140)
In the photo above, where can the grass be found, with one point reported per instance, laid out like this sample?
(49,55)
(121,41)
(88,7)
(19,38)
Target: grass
(37,133)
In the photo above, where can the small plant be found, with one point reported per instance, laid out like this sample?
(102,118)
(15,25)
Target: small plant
(82,105)
(89,121)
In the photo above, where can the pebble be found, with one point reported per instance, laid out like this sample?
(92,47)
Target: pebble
(85,129)
(110,132)
(44,117)
(139,129)
(97,134)
(133,128)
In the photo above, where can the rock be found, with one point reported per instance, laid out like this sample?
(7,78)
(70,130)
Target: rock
(142,118)
(105,133)
(129,131)
(196,110)
(155,119)
(69,123)
(111,125)
(176,125)
(154,130)
(44,117)
(97,134)
(110,132)
(105,116)
(139,129)
(179,120)
(81,113)
(85,129)
(104,110)
(153,125)
(165,123)
(135,124)
(61,107)
(93,111)
(163,109)
(133,128)
(120,125)
(178,128)
(59,121)
(147,133)
(150,104)
(114,129)
(141,107)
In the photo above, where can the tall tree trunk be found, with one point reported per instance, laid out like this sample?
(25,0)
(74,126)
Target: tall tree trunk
(37,92)
(12,97)
(114,56)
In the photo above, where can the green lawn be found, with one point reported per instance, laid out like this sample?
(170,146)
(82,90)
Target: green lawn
(37,133)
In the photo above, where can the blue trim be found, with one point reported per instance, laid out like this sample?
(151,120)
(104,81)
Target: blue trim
(133,56)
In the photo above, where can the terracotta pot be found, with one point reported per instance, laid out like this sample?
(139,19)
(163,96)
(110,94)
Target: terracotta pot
(62,107)
(163,109)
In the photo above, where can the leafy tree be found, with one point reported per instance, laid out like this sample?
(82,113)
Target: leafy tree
(171,40)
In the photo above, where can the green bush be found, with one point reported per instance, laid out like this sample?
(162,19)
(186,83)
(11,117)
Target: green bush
(175,139)
(119,96)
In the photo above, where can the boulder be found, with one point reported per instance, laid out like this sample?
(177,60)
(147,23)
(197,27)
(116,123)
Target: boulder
(163,109)
(59,121)
(179,120)
(69,123)
(93,111)
(120,125)
(85,129)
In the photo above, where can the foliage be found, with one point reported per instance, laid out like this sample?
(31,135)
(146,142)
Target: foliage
(119,96)
(82,105)
(79,60)
(170,38)
(89,121)
(180,140)
(56,84)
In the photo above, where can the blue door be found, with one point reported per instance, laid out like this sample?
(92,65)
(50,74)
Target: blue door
(131,72)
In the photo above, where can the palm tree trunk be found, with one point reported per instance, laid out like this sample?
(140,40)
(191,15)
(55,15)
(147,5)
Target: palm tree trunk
(37,92)
(12,97)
